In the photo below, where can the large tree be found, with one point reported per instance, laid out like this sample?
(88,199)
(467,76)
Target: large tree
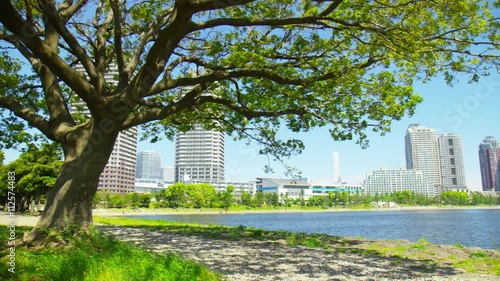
(245,67)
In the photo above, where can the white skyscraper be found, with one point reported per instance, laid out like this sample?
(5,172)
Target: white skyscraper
(422,153)
(119,174)
(336,167)
(451,161)
(149,165)
(199,156)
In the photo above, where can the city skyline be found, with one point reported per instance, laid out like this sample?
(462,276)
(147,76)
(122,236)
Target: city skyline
(465,109)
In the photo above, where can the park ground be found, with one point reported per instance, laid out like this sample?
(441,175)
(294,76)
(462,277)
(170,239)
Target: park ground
(245,254)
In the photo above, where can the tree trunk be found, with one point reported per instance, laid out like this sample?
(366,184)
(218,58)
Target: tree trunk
(69,201)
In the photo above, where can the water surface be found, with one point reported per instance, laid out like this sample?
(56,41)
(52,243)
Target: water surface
(469,227)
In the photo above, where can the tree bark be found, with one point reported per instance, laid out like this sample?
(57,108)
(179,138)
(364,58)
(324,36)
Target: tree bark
(69,201)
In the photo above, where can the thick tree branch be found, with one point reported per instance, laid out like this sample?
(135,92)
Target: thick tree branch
(23,30)
(67,10)
(208,5)
(120,60)
(160,52)
(185,102)
(51,13)
(330,8)
(101,58)
(29,116)
(250,114)
(56,104)
(256,22)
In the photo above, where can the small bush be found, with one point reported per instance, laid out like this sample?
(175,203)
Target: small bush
(478,255)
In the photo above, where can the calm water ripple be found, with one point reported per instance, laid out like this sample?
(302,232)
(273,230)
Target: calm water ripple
(469,227)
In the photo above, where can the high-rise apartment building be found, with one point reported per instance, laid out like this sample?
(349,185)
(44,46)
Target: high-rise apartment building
(119,174)
(149,165)
(451,159)
(199,156)
(422,153)
(489,161)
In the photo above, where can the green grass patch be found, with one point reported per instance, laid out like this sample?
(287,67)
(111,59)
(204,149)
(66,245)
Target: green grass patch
(486,264)
(98,257)
(225,232)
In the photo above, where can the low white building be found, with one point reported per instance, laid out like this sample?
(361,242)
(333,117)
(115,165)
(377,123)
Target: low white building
(388,181)
(148,185)
(284,186)
(293,187)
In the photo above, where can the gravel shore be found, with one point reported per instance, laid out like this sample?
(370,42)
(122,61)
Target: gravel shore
(270,261)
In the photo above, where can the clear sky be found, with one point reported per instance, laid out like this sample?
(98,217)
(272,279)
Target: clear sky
(469,110)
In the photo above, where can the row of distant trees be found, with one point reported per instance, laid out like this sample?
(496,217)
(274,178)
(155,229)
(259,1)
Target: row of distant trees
(205,196)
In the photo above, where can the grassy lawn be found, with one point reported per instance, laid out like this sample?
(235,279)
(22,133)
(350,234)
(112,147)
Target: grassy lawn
(469,259)
(97,257)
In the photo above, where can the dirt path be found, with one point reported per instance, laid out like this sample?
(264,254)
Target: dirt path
(269,261)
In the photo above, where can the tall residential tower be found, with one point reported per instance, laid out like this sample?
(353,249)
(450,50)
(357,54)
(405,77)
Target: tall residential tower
(422,153)
(489,160)
(451,158)
(199,156)
(119,174)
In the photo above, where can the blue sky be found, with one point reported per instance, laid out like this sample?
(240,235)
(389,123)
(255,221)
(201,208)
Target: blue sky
(469,110)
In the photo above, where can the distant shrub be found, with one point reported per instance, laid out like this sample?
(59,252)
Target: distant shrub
(478,255)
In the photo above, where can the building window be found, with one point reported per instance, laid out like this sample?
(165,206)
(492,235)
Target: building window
(454,181)
(452,152)
(453,171)
(450,141)
(452,161)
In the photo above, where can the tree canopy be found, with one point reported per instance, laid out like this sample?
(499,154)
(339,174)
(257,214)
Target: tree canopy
(348,65)
(36,172)
(245,67)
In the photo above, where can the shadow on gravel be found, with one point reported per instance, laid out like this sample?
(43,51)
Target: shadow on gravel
(250,259)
